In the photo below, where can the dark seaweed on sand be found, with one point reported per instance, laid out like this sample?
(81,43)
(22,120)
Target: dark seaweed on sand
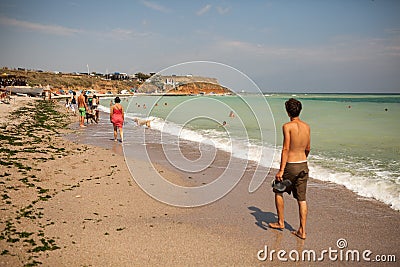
(29,131)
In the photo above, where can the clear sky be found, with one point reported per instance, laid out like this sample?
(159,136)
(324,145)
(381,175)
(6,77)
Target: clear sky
(284,46)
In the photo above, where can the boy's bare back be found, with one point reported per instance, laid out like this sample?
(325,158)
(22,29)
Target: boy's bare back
(297,136)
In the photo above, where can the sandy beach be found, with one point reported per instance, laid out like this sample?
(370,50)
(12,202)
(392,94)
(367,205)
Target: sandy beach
(68,199)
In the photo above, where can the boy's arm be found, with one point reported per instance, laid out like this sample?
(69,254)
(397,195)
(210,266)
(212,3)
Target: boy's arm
(308,147)
(285,152)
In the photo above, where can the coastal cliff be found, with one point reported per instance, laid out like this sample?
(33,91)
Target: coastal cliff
(63,82)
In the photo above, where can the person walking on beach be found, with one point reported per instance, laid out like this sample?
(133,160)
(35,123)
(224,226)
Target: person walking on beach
(67,105)
(73,103)
(293,166)
(82,107)
(95,103)
(117,118)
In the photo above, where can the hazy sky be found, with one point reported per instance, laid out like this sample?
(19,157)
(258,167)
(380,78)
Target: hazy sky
(284,46)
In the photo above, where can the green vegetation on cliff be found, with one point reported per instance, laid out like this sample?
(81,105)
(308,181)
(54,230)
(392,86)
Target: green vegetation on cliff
(102,84)
(69,81)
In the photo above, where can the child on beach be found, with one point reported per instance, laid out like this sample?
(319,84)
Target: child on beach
(293,166)
(95,110)
(67,105)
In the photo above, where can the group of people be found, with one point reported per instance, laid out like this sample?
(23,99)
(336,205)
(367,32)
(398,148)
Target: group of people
(87,106)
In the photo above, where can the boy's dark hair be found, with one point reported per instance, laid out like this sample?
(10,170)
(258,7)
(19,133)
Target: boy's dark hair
(293,107)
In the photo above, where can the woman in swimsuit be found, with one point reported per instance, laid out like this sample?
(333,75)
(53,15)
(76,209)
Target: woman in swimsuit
(117,118)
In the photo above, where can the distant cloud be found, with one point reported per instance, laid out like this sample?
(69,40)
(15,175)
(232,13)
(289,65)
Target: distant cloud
(207,8)
(223,11)
(156,6)
(73,4)
(282,52)
(32,26)
(123,34)
(393,31)
(203,10)
(339,50)
(393,51)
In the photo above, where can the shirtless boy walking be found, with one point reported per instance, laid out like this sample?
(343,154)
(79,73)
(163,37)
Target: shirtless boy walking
(296,147)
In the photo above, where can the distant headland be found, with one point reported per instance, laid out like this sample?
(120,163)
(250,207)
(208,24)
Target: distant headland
(114,83)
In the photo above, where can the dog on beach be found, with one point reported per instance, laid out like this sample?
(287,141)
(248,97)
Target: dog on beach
(142,122)
(90,116)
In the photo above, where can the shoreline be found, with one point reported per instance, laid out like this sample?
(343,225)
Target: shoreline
(97,215)
(336,198)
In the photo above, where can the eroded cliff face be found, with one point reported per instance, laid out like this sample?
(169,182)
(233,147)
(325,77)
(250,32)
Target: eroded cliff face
(200,87)
(183,85)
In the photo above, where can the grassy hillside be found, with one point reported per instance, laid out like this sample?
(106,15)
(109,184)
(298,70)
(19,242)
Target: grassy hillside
(75,82)
(69,81)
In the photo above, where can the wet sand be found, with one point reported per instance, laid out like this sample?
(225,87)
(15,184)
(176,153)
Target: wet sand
(98,216)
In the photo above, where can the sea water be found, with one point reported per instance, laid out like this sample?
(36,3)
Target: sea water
(355,138)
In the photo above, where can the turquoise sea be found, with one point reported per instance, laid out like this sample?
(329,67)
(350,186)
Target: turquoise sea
(354,137)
